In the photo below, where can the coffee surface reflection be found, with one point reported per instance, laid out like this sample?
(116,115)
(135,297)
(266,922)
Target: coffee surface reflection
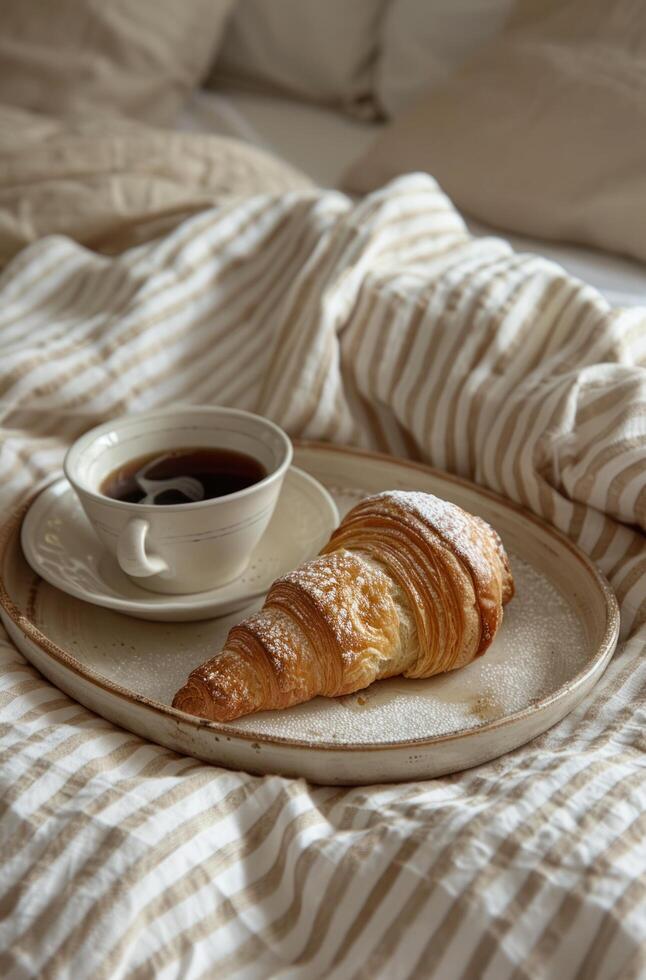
(182,476)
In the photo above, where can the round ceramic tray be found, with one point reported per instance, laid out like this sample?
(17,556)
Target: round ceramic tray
(558,635)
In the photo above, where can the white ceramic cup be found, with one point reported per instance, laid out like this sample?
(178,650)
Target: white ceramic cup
(190,547)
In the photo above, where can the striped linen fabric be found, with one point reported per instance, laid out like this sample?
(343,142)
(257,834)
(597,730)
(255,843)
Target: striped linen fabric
(382,324)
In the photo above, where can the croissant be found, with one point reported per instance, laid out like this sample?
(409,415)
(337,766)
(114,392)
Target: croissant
(408,584)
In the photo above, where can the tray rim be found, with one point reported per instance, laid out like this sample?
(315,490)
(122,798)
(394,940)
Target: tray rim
(597,663)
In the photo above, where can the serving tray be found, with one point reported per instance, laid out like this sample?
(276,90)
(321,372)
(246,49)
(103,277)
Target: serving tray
(557,637)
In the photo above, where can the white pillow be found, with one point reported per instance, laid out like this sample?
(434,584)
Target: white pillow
(139,58)
(424,41)
(321,50)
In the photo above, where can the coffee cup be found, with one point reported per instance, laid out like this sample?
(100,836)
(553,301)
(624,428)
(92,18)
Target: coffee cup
(179,548)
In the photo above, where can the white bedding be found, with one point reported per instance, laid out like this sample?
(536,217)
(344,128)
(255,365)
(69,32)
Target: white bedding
(323,143)
(380,324)
(320,141)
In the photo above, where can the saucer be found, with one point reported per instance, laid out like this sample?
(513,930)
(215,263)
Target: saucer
(61,545)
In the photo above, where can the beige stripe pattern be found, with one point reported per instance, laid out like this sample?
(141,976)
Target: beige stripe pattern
(385,325)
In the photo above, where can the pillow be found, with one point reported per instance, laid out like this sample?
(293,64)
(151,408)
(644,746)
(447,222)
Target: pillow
(543,132)
(319,51)
(138,57)
(422,43)
(111,183)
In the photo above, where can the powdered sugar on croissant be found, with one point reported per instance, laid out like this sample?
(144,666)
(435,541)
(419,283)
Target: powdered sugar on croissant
(408,584)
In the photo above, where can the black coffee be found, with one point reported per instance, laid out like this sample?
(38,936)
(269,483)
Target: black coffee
(182,476)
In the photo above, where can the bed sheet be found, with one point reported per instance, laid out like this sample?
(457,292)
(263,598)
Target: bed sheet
(158,267)
(323,143)
(342,322)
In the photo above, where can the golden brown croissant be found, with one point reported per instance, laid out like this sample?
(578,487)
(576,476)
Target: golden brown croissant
(408,584)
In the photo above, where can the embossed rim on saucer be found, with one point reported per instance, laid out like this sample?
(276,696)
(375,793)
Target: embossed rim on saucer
(135,601)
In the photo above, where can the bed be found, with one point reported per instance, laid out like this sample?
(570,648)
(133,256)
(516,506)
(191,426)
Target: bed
(323,143)
(145,267)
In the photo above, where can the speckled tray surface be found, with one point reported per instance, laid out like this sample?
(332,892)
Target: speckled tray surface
(557,636)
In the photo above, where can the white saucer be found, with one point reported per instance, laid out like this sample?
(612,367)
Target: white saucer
(61,546)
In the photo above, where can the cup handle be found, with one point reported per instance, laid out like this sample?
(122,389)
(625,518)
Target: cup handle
(131,551)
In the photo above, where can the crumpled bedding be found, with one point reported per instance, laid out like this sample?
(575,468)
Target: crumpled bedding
(110,183)
(382,324)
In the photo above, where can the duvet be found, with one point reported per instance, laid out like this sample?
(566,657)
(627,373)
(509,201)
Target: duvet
(130,282)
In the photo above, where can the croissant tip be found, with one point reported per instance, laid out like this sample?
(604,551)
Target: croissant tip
(192,701)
